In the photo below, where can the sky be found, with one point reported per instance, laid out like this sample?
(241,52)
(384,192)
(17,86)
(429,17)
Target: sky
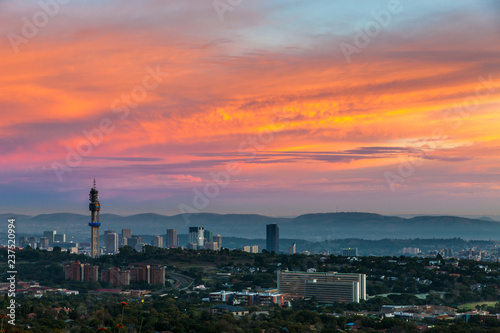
(278,108)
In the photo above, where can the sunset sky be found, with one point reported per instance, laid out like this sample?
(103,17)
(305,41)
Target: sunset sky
(314,105)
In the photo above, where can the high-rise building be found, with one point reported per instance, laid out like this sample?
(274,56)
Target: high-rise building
(51,235)
(292,249)
(196,236)
(327,286)
(211,246)
(111,239)
(350,252)
(60,238)
(44,242)
(94,223)
(133,241)
(191,246)
(90,273)
(115,276)
(157,274)
(74,271)
(140,273)
(218,239)
(209,236)
(251,248)
(126,234)
(172,238)
(77,271)
(333,292)
(272,238)
(157,241)
(22,240)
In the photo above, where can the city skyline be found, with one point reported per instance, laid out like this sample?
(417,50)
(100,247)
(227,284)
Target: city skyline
(275,108)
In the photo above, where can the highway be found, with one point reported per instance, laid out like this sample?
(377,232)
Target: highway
(181,281)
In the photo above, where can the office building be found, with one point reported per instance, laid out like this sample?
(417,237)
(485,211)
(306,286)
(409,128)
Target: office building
(350,252)
(270,299)
(172,238)
(272,238)
(126,234)
(211,246)
(133,241)
(60,238)
(51,235)
(294,284)
(221,296)
(157,241)
(245,298)
(209,236)
(111,239)
(191,246)
(196,236)
(22,240)
(292,249)
(44,242)
(251,248)
(218,239)
(333,292)
(411,250)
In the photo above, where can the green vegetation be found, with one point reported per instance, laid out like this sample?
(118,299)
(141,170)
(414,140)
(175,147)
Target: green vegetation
(476,305)
(466,284)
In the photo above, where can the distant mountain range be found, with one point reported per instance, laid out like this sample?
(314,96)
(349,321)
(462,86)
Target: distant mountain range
(310,227)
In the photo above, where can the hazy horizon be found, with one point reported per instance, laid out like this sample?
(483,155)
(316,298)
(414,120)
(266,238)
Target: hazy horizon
(272,107)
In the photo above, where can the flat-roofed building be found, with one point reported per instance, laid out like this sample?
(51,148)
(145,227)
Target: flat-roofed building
(172,238)
(44,242)
(157,241)
(294,283)
(140,273)
(77,271)
(126,234)
(350,252)
(157,274)
(115,276)
(111,240)
(333,292)
(51,234)
(251,248)
(271,298)
(211,246)
(245,297)
(221,296)
(60,238)
(218,239)
(74,271)
(91,273)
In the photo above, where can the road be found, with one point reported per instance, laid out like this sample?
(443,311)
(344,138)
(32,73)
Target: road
(181,281)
